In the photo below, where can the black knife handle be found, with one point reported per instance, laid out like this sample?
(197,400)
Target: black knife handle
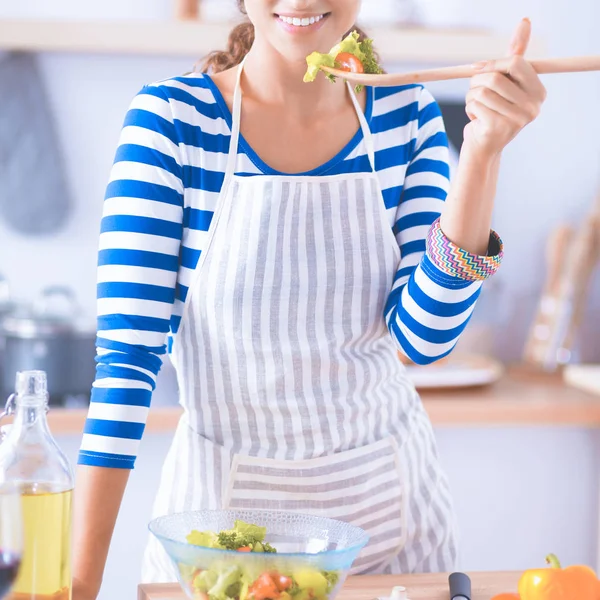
(460,586)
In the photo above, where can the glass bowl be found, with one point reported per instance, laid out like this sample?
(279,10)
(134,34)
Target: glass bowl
(313,558)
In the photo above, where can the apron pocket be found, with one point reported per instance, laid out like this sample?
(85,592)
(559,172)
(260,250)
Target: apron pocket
(364,486)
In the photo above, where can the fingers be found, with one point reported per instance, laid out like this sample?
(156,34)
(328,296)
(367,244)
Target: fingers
(485,98)
(500,84)
(521,38)
(514,66)
(477,111)
(491,124)
(506,95)
(525,76)
(520,72)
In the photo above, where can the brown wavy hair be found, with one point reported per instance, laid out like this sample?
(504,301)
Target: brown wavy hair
(240,41)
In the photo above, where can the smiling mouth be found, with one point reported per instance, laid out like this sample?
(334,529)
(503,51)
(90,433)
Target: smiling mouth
(302,21)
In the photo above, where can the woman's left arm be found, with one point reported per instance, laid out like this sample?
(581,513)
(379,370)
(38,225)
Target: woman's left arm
(499,105)
(443,265)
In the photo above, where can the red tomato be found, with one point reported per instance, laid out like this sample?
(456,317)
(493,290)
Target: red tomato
(264,588)
(282,582)
(349,62)
(244,549)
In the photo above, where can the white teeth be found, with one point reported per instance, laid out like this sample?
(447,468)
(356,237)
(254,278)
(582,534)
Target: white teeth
(305,22)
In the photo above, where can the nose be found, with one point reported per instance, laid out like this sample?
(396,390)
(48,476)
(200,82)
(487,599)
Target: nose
(301,4)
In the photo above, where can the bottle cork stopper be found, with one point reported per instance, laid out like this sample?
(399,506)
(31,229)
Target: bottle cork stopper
(399,593)
(31,383)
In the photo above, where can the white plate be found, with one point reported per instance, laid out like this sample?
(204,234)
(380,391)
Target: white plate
(461,373)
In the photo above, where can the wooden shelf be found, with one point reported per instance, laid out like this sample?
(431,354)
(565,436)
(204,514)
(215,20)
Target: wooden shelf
(195,39)
(520,399)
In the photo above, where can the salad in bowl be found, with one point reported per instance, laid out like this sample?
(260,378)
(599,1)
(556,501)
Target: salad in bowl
(225,555)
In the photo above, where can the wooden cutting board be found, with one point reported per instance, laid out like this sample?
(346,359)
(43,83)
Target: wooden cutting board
(430,586)
(584,377)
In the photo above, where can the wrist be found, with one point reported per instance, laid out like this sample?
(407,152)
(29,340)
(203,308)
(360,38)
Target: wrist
(83,589)
(455,261)
(473,155)
(87,573)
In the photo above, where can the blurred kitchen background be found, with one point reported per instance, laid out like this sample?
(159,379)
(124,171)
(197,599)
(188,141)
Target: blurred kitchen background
(68,71)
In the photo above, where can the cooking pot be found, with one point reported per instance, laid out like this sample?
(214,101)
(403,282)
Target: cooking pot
(49,336)
(6,307)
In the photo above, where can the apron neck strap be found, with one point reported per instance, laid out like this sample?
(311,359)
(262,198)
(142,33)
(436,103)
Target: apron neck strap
(236,115)
(367,135)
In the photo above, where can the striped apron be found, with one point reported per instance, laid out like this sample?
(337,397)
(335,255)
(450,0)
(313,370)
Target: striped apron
(294,397)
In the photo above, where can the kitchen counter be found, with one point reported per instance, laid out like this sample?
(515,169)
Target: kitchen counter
(419,587)
(519,398)
(504,448)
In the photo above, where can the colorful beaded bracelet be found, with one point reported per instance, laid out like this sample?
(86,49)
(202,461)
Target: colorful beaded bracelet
(455,261)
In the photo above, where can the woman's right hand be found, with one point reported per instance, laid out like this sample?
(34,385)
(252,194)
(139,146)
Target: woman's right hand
(83,590)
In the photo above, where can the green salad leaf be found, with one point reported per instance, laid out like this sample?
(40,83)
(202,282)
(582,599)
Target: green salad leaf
(332,579)
(228,578)
(250,531)
(243,535)
(363,50)
(351,45)
(207,539)
(315,61)
(370,63)
(205,580)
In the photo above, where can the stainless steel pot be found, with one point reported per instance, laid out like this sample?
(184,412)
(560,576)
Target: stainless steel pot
(49,337)
(6,307)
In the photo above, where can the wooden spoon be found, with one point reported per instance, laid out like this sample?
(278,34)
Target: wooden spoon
(576,64)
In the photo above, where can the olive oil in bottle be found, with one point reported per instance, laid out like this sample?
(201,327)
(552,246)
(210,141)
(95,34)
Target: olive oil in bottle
(31,459)
(45,571)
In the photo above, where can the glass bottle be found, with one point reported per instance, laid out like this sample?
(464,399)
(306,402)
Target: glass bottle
(31,460)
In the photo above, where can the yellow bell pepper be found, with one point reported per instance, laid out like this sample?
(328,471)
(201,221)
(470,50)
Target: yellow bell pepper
(572,583)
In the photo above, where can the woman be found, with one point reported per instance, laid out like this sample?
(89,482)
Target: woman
(284,265)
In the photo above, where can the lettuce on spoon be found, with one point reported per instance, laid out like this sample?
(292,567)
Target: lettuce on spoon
(363,51)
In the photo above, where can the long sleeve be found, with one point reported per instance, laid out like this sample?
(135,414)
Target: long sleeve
(428,307)
(138,260)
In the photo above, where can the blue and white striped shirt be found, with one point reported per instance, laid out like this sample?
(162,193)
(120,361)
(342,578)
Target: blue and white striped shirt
(163,189)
